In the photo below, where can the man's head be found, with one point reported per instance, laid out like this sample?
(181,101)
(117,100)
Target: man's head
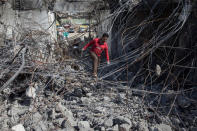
(104,38)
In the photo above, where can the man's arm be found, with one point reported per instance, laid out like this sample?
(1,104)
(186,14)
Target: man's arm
(89,44)
(107,54)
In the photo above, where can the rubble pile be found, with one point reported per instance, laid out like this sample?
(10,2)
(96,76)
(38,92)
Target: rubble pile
(150,84)
(73,100)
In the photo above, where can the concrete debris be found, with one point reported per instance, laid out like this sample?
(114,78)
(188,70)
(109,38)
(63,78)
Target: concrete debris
(78,92)
(85,106)
(64,124)
(89,94)
(102,128)
(175,121)
(100,110)
(36,117)
(120,98)
(41,126)
(84,126)
(67,114)
(115,128)
(17,109)
(143,126)
(161,127)
(158,70)
(31,92)
(121,120)
(108,122)
(60,108)
(125,127)
(85,100)
(106,99)
(18,127)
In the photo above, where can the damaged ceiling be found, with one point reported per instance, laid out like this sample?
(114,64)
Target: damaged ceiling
(27,4)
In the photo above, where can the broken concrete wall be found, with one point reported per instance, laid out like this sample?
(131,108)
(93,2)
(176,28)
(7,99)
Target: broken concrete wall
(104,25)
(73,7)
(37,26)
(7,20)
(38,19)
(31,4)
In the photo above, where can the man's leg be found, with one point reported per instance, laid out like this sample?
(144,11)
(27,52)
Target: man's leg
(95,62)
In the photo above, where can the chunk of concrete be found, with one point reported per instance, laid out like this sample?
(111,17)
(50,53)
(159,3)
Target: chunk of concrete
(143,126)
(108,122)
(31,92)
(37,117)
(66,113)
(161,127)
(99,110)
(124,127)
(84,126)
(41,126)
(18,127)
(158,70)
(121,120)
(85,100)
(60,108)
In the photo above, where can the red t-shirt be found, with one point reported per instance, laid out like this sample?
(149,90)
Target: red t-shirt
(97,48)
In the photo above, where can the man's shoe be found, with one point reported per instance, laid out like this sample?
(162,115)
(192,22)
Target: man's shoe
(94,74)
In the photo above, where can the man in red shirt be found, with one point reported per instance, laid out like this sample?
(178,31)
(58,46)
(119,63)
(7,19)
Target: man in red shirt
(98,45)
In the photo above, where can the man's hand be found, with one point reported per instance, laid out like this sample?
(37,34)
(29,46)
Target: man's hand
(108,62)
(82,50)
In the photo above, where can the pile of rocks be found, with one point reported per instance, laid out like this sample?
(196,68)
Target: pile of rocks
(78,102)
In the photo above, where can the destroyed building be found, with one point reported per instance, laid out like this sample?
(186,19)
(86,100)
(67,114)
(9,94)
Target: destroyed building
(46,82)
